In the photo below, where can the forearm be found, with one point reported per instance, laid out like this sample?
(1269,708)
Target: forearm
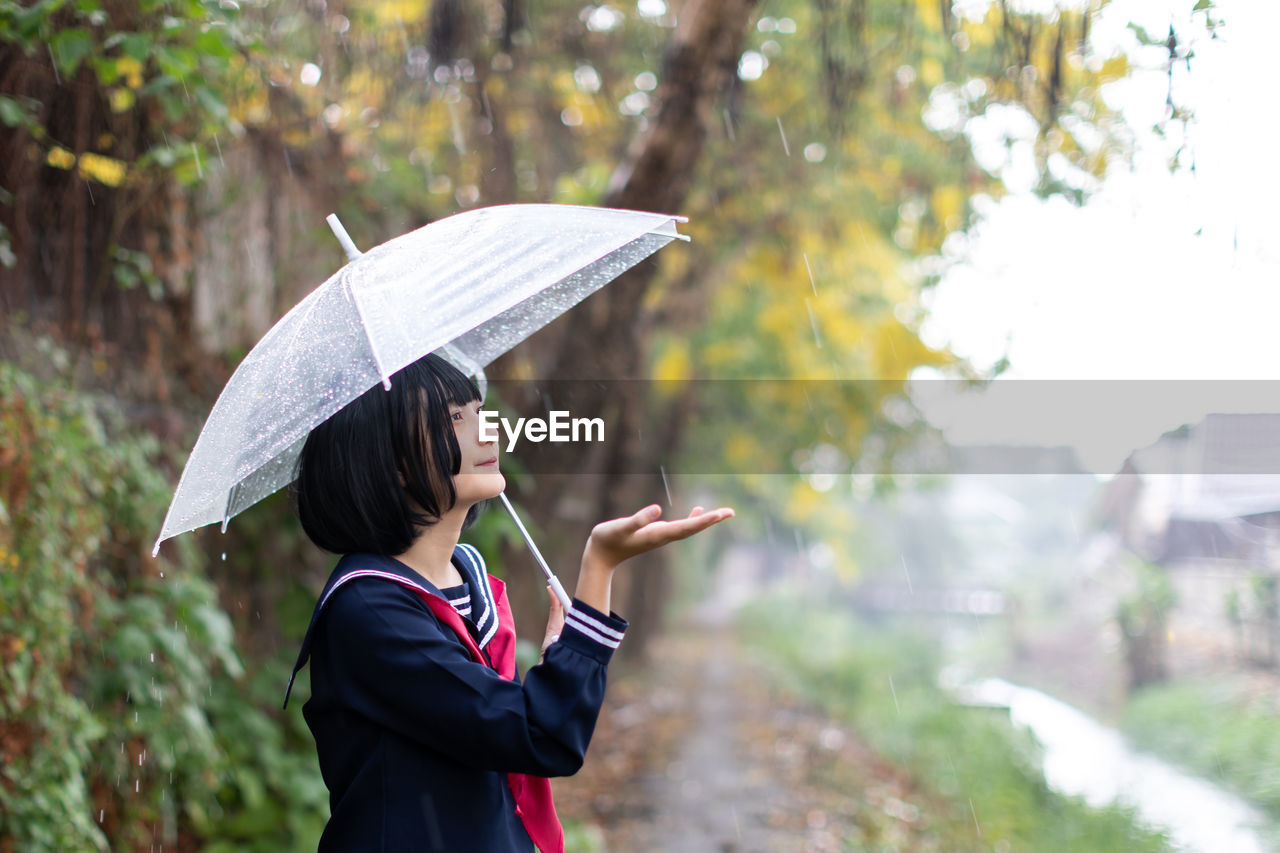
(595,580)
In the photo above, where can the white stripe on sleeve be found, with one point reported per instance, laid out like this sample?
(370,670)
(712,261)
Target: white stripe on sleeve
(574,619)
(597,624)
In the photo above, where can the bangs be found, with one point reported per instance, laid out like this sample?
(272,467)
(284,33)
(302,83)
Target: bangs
(437,379)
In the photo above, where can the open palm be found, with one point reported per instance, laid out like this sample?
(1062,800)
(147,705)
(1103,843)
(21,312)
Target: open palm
(621,538)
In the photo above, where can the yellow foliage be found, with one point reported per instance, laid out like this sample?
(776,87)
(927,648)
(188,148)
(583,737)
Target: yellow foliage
(368,86)
(929,14)
(723,353)
(898,350)
(563,83)
(783,321)
(131,70)
(1114,68)
(593,115)
(673,363)
(804,502)
(982,34)
(121,100)
(741,450)
(931,73)
(394,13)
(60,158)
(104,170)
(947,202)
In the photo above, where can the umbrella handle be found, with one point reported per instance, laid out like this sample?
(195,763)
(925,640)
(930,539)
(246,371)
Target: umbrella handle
(556,586)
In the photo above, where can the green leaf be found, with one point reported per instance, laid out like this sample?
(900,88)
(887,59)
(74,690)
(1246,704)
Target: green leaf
(1202,5)
(178,61)
(158,84)
(1144,38)
(12,112)
(209,100)
(213,43)
(69,48)
(105,69)
(29,20)
(137,46)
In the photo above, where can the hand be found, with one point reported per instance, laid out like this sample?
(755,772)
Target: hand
(555,622)
(611,542)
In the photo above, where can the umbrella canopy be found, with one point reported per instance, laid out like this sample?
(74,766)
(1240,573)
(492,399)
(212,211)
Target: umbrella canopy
(469,287)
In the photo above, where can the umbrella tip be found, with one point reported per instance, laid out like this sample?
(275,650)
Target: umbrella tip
(348,245)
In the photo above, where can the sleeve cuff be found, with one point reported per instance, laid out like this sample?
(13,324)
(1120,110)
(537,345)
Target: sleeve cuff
(589,631)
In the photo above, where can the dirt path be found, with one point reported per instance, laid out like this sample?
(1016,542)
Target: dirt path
(700,754)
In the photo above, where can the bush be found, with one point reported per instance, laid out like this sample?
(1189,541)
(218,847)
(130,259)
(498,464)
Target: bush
(127,717)
(1217,730)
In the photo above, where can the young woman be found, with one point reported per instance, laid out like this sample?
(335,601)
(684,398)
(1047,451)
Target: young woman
(428,739)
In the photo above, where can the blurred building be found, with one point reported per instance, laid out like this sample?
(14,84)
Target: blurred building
(1204,502)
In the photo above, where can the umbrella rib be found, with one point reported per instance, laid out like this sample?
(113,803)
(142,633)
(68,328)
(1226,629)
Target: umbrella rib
(231,499)
(364,327)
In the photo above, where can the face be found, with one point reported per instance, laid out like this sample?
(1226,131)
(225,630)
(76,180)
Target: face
(478,477)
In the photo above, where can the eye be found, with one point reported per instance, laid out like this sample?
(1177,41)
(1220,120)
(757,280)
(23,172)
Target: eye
(457,417)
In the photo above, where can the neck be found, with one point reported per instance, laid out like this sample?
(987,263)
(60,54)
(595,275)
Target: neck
(431,553)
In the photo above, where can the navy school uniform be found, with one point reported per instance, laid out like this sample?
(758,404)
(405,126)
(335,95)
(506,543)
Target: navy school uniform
(416,737)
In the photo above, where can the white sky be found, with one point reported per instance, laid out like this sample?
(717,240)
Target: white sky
(1159,276)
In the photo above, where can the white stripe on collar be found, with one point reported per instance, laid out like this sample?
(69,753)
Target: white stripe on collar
(487,624)
(367,573)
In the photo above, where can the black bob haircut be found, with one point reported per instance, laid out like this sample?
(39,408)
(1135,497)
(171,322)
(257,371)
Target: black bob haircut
(382,467)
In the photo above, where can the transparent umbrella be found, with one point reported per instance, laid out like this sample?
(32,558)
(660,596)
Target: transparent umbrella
(469,287)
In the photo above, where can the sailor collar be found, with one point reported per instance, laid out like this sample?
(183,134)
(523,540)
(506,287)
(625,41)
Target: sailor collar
(466,559)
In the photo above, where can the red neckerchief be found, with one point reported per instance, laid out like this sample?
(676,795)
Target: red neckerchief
(532,793)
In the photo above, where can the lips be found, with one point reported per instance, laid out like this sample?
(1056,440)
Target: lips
(487,463)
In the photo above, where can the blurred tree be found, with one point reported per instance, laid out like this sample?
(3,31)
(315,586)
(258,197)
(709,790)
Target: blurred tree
(104,109)
(820,151)
(1143,618)
(166,168)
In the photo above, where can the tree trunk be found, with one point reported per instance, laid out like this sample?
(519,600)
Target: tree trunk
(608,337)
